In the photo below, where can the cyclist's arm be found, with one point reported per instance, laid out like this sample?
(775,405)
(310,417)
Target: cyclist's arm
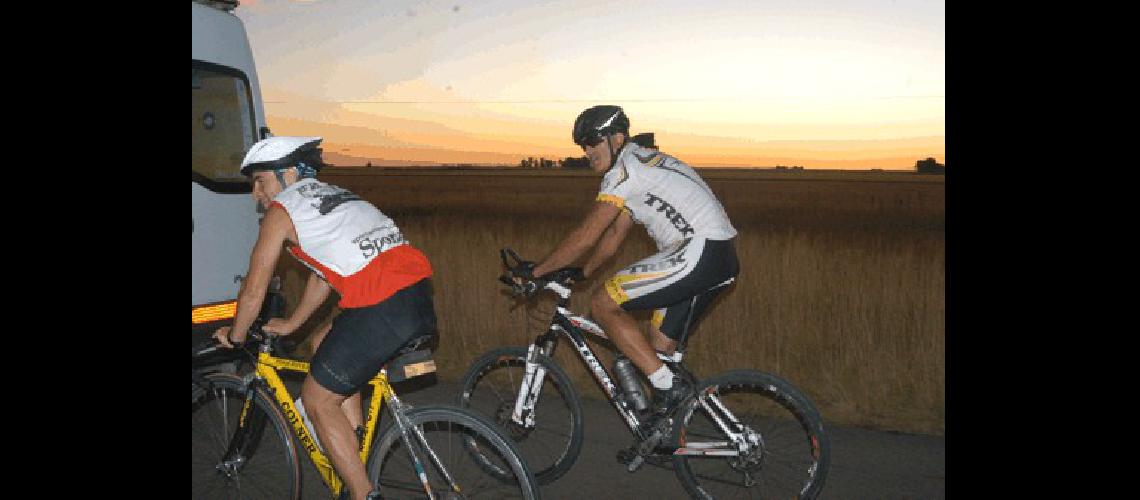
(316,291)
(581,239)
(611,241)
(275,227)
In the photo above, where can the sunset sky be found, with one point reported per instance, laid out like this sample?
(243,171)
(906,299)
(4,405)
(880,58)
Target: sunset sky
(823,84)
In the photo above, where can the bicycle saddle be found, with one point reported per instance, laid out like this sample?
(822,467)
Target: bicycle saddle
(412,360)
(416,344)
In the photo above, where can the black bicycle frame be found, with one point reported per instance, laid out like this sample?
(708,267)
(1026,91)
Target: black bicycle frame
(567,324)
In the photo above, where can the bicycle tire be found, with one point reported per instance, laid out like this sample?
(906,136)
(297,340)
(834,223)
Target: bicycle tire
(446,429)
(490,388)
(793,460)
(272,469)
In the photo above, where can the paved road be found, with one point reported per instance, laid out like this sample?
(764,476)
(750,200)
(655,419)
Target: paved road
(865,464)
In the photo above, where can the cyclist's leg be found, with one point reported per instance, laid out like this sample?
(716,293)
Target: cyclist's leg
(335,434)
(661,342)
(654,282)
(360,342)
(674,324)
(622,329)
(352,407)
(673,280)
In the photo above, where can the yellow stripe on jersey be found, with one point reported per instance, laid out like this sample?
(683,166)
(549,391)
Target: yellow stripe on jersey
(613,285)
(616,201)
(658,318)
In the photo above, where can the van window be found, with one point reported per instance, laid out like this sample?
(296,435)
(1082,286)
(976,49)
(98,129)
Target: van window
(223,125)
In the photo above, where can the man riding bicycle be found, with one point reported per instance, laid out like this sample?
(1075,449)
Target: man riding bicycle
(694,237)
(353,248)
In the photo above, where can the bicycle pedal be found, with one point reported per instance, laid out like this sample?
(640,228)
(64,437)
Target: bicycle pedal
(625,456)
(635,464)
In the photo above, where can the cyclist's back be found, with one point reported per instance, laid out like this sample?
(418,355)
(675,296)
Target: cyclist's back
(666,196)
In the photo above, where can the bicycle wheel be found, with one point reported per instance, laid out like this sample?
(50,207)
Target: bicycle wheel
(445,430)
(789,450)
(491,387)
(269,467)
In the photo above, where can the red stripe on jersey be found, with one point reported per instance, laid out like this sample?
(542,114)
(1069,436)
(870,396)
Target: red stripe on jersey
(383,276)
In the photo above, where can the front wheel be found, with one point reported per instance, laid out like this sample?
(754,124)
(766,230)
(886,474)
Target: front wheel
(553,440)
(751,434)
(439,438)
(265,467)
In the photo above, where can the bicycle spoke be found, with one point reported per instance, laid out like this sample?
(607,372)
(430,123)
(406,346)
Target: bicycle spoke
(269,467)
(780,429)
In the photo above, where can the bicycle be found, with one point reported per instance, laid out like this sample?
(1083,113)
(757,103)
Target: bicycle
(247,433)
(744,431)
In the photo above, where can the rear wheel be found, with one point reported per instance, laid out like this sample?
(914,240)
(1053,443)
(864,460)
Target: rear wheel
(786,451)
(447,433)
(266,468)
(552,444)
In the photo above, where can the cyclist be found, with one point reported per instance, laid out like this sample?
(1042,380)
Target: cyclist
(353,248)
(694,240)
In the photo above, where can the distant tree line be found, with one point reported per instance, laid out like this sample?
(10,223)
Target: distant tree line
(645,139)
(929,166)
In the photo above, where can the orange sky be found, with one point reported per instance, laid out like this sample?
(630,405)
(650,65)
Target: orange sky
(830,84)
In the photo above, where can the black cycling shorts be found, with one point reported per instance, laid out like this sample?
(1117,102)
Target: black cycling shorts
(678,282)
(363,339)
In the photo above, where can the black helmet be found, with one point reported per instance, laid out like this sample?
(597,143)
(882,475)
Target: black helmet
(599,121)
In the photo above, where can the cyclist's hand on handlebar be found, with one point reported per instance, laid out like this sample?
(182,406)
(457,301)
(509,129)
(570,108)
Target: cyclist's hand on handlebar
(222,335)
(523,271)
(279,326)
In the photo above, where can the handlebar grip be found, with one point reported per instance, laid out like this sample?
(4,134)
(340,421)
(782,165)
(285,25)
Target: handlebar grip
(205,347)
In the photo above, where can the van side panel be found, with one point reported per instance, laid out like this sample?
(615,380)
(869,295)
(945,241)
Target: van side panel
(225,229)
(220,38)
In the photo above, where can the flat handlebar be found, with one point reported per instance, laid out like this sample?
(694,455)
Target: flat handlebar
(530,285)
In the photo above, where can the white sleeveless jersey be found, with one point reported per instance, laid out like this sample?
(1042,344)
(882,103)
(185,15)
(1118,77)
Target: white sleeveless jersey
(666,196)
(335,227)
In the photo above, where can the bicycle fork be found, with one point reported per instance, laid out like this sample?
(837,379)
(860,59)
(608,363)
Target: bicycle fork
(527,398)
(245,436)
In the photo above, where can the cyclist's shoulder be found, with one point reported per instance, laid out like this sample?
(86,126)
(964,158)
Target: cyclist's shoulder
(636,156)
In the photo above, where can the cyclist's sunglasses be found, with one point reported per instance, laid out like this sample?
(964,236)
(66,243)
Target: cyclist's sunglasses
(592,141)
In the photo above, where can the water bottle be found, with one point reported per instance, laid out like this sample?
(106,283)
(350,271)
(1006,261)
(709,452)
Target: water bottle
(627,377)
(308,424)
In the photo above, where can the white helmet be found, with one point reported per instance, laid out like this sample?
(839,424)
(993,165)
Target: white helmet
(281,152)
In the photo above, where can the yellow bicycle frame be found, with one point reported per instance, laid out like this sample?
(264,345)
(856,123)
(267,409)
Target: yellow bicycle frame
(267,369)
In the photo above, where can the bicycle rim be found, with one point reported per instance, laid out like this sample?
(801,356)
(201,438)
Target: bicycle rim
(446,431)
(270,469)
(790,453)
(551,446)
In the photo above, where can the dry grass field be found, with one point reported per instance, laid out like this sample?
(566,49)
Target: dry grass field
(842,287)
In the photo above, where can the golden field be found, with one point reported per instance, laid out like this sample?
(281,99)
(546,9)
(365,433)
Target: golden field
(841,291)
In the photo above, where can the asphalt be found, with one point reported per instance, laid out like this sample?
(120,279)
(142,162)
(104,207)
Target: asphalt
(865,463)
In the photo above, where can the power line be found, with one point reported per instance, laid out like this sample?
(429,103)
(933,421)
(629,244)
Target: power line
(579,101)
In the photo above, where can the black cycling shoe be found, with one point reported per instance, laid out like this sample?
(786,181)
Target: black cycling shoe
(665,404)
(666,401)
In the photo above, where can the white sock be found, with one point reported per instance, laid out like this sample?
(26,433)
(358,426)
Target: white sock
(662,378)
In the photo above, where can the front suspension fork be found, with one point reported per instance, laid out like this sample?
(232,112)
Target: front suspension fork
(531,385)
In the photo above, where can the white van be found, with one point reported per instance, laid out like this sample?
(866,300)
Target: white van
(227,119)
